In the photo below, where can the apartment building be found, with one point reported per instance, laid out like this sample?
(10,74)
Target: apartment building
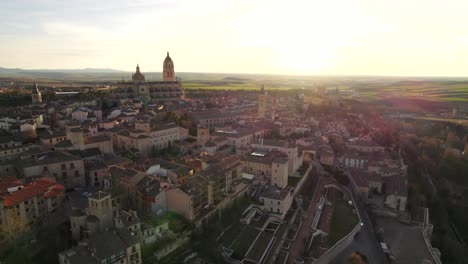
(272,164)
(23,206)
(109,247)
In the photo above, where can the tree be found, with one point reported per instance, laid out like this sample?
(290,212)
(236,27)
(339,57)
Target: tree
(154,152)
(357,258)
(341,178)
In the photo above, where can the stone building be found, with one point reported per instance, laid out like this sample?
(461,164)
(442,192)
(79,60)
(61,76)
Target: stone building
(23,206)
(169,89)
(36,95)
(294,156)
(268,163)
(66,168)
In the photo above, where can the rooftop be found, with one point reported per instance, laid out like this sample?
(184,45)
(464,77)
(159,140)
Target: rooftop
(45,186)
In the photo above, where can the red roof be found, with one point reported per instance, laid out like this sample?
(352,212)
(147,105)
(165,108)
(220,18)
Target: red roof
(46,186)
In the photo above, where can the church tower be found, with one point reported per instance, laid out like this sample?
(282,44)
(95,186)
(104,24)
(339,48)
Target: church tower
(168,69)
(36,95)
(262,103)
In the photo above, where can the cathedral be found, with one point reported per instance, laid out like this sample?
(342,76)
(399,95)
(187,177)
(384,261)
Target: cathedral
(169,89)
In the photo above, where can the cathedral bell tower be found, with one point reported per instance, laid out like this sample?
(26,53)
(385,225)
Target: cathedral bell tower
(168,69)
(36,95)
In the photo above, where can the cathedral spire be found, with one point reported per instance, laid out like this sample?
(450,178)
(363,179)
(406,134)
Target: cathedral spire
(168,69)
(138,68)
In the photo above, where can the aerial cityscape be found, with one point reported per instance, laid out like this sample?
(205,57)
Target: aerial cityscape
(341,148)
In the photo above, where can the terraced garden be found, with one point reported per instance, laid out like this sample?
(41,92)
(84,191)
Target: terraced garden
(342,222)
(260,247)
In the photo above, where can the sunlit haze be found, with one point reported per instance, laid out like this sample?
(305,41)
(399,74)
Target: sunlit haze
(348,37)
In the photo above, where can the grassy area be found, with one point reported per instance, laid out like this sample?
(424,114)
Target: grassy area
(342,222)
(281,259)
(177,223)
(261,222)
(244,241)
(293,181)
(205,240)
(260,246)
(148,250)
(280,231)
(229,86)
(230,234)
(271,251)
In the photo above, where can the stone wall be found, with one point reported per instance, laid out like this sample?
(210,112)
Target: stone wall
(301,182)
(331,253)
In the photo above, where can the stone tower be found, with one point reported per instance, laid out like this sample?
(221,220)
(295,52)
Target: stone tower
(36,95)
(262,103)
(168,69)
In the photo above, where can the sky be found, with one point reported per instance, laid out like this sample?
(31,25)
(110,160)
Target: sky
(311,37)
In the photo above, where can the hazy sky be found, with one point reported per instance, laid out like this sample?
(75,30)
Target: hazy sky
(375,37)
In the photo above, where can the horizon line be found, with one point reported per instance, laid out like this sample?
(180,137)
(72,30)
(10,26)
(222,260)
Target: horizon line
(246,73)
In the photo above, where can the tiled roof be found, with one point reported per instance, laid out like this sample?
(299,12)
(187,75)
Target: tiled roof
(96,139)
(46,186)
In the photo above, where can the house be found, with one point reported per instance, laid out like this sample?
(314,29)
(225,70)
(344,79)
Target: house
(396,191)
(97,173)
(276,200)
(294,157)
(151,195)
(272,163)
(189,199)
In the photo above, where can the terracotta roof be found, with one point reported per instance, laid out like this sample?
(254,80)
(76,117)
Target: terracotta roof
(96,139)
(46,186)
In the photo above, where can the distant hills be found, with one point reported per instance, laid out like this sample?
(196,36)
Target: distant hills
(86,74)
(26,71)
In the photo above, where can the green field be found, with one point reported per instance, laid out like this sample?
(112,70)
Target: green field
(364,87)
(342,222)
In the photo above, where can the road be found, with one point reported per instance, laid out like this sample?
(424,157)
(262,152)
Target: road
(365,241)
